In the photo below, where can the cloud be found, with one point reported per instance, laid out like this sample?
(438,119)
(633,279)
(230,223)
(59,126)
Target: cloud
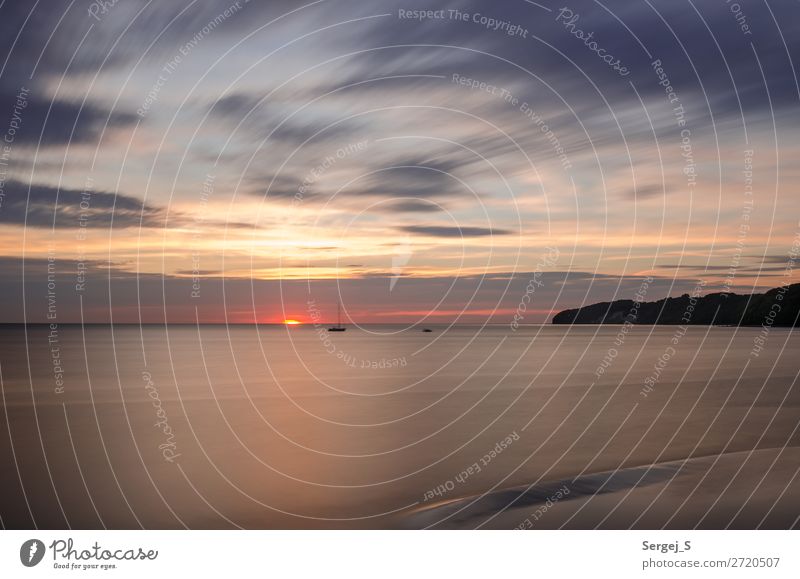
(699,267)
(408,206)
(261,120)
(272,187)
(39,205)
(646,192)
(298,132)
(58,122)
(235,105)
(444,231)
(417,182)
(37,269)
(42,43)
(779,259)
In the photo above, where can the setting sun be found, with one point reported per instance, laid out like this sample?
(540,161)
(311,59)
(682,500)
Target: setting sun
(292,322)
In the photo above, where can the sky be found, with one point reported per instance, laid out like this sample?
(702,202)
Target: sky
(419,162)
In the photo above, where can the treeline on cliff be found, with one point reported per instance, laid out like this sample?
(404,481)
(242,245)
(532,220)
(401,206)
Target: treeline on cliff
(777,307)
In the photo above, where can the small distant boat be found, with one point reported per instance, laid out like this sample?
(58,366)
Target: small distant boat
(426,330)
(338,327)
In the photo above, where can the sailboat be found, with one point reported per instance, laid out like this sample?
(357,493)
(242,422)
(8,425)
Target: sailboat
(338,327)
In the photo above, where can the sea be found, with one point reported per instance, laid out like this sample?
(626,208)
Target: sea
(491,427)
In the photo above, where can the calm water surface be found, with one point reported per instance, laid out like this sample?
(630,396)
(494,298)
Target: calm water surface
(297,427)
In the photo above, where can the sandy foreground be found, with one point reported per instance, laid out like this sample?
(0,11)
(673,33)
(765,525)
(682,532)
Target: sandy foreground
(738,490)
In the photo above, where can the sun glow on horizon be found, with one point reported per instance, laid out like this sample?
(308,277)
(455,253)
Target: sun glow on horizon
(292,323)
